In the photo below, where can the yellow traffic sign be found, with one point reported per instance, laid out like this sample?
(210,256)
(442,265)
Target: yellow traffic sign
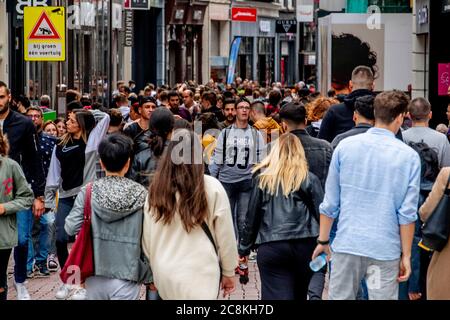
(44,33)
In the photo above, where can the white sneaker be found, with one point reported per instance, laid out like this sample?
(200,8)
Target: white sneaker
(22,292)
(79,294)
(63,292)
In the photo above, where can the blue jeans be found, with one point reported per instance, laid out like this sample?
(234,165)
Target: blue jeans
(24,226)
(39,255)
(62,238)
(239,196)
(413,283)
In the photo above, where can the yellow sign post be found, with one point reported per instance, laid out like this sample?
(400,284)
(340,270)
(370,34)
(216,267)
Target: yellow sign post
(44,33)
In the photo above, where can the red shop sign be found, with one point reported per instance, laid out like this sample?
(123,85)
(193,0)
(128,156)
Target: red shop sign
(243,14)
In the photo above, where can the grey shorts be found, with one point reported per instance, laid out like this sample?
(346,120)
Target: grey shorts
(348,270)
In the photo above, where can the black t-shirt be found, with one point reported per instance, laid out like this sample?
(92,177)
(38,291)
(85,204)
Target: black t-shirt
(72,159)
(133,130)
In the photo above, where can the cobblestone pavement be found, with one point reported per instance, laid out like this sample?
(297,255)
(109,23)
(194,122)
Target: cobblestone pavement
(45,288)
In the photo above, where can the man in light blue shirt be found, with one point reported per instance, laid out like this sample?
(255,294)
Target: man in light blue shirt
(373,185)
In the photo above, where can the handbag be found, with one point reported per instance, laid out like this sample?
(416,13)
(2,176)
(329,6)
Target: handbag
(436,229)
(80,263)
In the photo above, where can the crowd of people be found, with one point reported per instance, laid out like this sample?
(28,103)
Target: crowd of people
(188,183)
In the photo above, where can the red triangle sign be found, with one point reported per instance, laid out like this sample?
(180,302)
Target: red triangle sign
(44,29)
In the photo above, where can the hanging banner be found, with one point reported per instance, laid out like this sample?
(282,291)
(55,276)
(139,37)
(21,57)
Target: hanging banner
(44,34)
(444,78)
(233,58)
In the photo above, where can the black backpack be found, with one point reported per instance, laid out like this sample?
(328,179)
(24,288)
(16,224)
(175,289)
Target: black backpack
(429,164)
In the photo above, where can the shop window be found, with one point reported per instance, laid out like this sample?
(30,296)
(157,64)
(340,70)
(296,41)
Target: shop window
(245,59)
(265,70)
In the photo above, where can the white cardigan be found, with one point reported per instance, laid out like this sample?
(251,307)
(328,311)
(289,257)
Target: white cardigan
(185,265)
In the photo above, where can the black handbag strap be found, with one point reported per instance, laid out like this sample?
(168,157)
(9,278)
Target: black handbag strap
(209,234)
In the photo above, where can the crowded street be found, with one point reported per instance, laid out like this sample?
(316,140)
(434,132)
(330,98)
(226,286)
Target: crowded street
(224,150)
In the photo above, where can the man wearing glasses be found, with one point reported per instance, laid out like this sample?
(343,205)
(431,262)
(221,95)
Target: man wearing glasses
(238,148)
(38,260)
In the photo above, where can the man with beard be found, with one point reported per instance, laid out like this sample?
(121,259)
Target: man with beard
(229,112)
(174,106)
(22,138)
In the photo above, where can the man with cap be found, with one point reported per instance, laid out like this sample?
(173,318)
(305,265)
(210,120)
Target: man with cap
(146,106)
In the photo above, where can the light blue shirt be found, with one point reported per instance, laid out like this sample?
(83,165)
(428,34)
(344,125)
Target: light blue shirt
(373,185)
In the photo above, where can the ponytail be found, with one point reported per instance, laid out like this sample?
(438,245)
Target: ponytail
(4,145)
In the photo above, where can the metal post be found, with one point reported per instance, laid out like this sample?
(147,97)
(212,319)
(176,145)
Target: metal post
(109,59)
(296,56)
(316,21)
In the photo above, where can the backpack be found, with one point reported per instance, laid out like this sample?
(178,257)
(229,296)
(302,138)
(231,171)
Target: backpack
(429,164)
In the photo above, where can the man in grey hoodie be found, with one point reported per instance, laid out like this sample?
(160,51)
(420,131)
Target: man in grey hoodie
(238,148)
(117,217)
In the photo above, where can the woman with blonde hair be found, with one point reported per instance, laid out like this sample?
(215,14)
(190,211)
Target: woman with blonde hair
(282,221)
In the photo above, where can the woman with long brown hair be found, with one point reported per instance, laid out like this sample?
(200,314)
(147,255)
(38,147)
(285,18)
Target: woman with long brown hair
(183,206)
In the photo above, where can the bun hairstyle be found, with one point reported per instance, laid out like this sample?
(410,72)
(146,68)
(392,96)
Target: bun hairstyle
(161,125)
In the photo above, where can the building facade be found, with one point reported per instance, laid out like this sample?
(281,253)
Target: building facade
(431,56)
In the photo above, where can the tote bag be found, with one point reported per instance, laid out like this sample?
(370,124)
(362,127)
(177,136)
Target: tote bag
(80,263)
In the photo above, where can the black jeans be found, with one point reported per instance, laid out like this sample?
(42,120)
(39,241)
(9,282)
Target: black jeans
(4,259)
(284,268)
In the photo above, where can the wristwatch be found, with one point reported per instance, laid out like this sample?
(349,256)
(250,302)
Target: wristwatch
(323,242)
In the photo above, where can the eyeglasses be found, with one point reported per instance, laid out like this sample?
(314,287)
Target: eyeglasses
(243,108)
(34,116)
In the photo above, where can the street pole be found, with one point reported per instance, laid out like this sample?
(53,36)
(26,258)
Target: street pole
(316,21)
(109,59)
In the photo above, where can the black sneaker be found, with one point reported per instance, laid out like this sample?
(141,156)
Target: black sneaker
(43,271)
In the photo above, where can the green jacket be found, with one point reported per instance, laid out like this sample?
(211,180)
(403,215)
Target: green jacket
(15,195)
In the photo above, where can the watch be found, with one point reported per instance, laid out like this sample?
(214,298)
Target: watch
(323,242)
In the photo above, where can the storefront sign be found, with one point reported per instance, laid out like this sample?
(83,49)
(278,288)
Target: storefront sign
(137,4)
(17,7)
(422,16)
(233,58)
(129,34)
(305,13)
(117,16)
(264,26)
(44,33)
(286,26)
(443,78)
(243,14)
